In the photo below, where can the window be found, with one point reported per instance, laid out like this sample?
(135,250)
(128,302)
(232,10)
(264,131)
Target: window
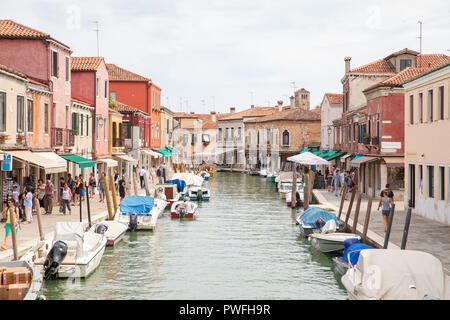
(349,132)
(168,126)
(2,111)
(219,138)
(226,134)
(354,132)
(45,117)
(249,138)
(113,95)
(420,108)
(232,134)
(97,128)
(441,103)
(20,114)
(285,138)
(82,124)
(257,138)
(405,63)
(442,183)
(421,182)
(54,64)
(30,116)
(369,126)
(67,69)
(128,126)
(239,132)
(106,89)
(97,87)
(205,138)
(75,123)
(411,109)
(87,125)
(185,139)
(430,105)
(346,101)
(378,125)
(430,172)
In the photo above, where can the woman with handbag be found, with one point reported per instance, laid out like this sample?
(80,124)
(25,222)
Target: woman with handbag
(12,209)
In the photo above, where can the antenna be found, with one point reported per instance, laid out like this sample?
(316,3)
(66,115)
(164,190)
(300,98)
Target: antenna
(420,37)
(181,104)
(203,105)
(96,30)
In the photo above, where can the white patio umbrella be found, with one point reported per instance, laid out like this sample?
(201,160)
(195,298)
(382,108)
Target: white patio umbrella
(308,158)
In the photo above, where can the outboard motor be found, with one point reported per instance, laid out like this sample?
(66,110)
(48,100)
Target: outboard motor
(199,195)
(182,212)
(133,222)
(101,228)
(55,256)
(319,222)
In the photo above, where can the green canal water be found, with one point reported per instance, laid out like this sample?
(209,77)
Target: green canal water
(244,244)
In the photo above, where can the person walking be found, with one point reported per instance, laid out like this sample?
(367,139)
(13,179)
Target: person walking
(122,188)
(28,204)
(66,197)
(101,187)
(159,175)
(76,191)
(12,209)
(336,181)
(41,193)
(341,181)
(82,188)
(92,185)
(163,172)
(116,180)
(142,172)
(385,204)
(48,198)
(389,191)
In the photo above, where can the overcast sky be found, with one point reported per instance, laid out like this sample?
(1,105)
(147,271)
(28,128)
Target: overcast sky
(235,52)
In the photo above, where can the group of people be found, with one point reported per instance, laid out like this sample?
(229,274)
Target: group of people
(340,179)
(156,174)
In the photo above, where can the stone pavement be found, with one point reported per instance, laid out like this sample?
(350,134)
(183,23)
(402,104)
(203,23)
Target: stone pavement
(424,234)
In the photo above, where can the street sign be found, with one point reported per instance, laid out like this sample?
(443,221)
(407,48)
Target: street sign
(7,162)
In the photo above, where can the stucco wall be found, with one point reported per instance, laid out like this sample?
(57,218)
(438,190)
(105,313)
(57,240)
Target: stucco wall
(102,110)
(38,138)
(328,114)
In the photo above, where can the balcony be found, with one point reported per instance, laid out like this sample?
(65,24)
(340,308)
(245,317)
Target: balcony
(62,137)
(118,142)
(375,141)
(366,140)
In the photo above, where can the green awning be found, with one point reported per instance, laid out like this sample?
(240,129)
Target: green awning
(82,162)
(164,152)
(307,149)
(334,156)
(173,151)
(328,154)
(319,152)
(310,149)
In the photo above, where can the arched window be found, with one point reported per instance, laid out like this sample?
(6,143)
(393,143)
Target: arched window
(285,138)
(249,138)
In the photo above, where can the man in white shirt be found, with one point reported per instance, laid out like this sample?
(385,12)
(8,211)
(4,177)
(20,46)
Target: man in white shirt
(141,176)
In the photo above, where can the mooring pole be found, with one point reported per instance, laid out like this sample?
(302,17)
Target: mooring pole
(38,215)
(344,193)
(108,197)
(388,231)
(12,220)
(306,193)
(113,190)
(88,205)
(406,229)
(367,219)
(349,210)
(294,189)
(358,204)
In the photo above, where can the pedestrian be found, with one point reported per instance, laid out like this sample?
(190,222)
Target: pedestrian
(101,187)
(142,172)
(327,173)
(159,175)
(385,204)
(48,199)
(122,188)
(389,191)
(341,181)
(82,188)
(76,191)
(41,193)
(92,185)
(116,180)
(346,182)
(12,209)
(61,187)
(66,197)
(15,195)
(336,181)
(28,204)
(163,172)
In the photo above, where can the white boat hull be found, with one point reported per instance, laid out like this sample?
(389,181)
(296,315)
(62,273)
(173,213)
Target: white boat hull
(82,269)
(330,242)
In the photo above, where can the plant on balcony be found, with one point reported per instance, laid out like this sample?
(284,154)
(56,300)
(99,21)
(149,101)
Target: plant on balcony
(20,137)
(112,103)
(366,138)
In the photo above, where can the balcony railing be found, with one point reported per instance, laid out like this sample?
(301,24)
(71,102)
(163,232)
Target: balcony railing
(62,137)
(375,141)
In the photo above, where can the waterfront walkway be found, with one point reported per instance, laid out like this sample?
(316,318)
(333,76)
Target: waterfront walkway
(424,234)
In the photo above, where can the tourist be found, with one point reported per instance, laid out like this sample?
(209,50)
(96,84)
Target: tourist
(142,172)
(336,181)
(61,187)
(41,193)
(66,197)
(341,181)
(348,183)
(389,191)
(101,187)
(48,199)
(159,175)
(385,204)
(28,204)
(15,183)
(7,214)
(327,173)
(92,185)
(116,180)
(163,172)
(15,195)
(122,188)
(82,188)
(76,191)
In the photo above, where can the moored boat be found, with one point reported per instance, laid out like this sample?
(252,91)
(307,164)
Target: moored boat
(183,209)
(350,256)
(307,220)
(114,231)
(26,289)
(140,212)
(330,242)
(198,193)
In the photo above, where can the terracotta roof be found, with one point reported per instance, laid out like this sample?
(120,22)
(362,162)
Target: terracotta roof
(432,60)
(316,110)
(122,107)
(85,63)
(185,115)
(119,74)
(252,112)
(334,98)
(81,101)
(295,114)
(14,30)
(379,66)
(403,51)
(8,69)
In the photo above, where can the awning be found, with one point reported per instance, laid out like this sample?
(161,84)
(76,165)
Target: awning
(335,155)
(49,161)
(310,149)
(328,153)
(363,159)
(357,157)
(394,161)
(82,162)
(171,150)
(164,152)
(152,153)
(319,152)
(109,162)
(345,157)
(125,158)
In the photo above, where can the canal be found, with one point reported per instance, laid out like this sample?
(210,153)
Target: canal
(244,244)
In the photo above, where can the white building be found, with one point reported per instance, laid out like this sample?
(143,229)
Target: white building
(331,109)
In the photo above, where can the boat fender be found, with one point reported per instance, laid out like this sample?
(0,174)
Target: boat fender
(133,222)
(101,228)
(54,257)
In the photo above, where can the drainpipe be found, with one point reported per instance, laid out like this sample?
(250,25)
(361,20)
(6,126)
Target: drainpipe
(94,119)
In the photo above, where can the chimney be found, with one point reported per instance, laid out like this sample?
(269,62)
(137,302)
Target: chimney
(252,106)
(280,105)
(347,64)
(232,109)
(213,116)
(192,112)
(292,102)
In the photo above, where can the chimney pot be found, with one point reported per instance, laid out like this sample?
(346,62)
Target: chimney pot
(192,112)
(232,109)
(252,106)
(347,64)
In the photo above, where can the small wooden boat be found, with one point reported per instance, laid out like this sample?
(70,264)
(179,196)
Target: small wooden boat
(30,291)
(285,187)
(140,212)
(115,231)
(197,193)
(350,256)
(308,218)
(73,252)
(178,211)
(330,242)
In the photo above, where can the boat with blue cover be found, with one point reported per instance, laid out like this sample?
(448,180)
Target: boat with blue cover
(352,249)
(307,220)
(140,212)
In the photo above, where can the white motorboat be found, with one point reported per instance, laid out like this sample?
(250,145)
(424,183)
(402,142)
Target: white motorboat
(33,292)
(299,195)
(197,193)
(285,187)
(177,210)
(140,212)
(389,274)
(330,242)
(114,231)
(308,219)
(73,252)
(263,173)
(205,175)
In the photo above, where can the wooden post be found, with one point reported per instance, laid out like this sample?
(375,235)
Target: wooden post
(349,210)
(81,208)
(12,220)
(367,219)
(306,192)
(88,206)
(358,204)
(147,191)
(38,215)
(388,231)
(135,187)
(406,229)
(344,193)
(113,190)
(311,184)
(294,190)
(108,199)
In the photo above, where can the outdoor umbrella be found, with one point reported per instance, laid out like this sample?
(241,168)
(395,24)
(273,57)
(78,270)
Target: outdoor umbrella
(308,158)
